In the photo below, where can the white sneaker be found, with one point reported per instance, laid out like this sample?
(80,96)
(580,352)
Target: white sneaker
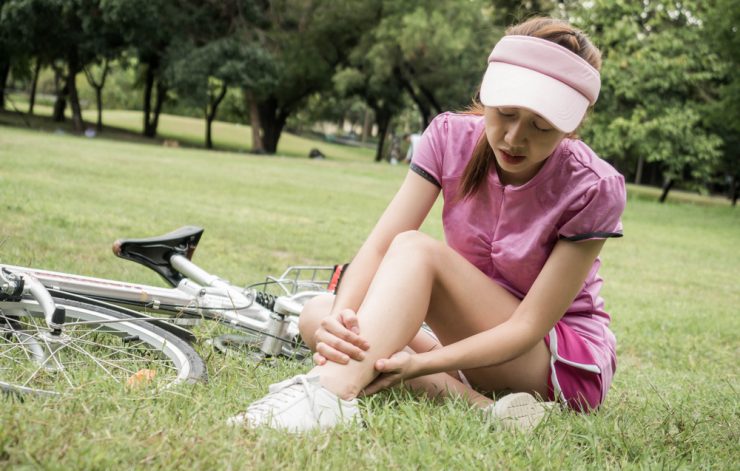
(298,404)
(518,411)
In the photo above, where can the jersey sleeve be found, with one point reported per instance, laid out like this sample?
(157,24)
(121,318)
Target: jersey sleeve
(597,213)
(429,155)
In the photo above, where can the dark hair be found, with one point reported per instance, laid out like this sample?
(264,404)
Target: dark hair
(557,31)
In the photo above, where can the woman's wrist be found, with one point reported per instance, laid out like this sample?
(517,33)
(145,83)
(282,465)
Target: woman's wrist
(422,364)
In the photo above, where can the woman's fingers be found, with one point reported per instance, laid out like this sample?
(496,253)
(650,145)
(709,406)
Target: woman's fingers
(349,319)
(319,359)
(338,351)
(340,346)
(331,354)
(396,362)
(346,327)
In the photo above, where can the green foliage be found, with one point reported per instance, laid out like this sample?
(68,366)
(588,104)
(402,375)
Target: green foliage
(199,72)
(436,50)
(654,87)
(722,18)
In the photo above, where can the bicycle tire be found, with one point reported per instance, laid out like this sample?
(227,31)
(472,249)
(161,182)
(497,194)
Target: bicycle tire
(97,344)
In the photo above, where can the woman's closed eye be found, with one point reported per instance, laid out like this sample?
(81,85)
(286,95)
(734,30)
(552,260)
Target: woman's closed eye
(541,127)
(506,112)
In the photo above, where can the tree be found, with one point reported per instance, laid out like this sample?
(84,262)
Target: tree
(381,92)
(722,18)
(432,52)
(306,41)
(150,29)
(6,49)
(654,88)
(98,85)
(435,51)
(28,28)
(217,51)
(203,75)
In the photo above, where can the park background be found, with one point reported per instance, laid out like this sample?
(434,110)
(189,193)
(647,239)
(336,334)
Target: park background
(106,106)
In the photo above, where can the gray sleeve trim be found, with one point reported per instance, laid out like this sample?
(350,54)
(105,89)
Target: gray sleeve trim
(592,235)
(424,174)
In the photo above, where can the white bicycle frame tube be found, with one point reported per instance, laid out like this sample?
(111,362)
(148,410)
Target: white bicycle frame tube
(220,300)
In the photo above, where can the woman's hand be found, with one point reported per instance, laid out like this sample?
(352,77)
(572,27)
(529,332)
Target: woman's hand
(400,366)
(338,339)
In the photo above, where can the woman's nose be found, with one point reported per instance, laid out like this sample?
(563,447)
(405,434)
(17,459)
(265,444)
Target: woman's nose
(515,134)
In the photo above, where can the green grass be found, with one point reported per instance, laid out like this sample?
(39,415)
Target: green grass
(189,132)
(671,285)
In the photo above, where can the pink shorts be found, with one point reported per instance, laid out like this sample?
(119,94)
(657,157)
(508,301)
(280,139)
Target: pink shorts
(575,379)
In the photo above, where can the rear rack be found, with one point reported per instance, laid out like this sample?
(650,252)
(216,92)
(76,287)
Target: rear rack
(294,280)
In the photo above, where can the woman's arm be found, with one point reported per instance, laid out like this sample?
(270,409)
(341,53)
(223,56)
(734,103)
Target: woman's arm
(560,280)
(406,211)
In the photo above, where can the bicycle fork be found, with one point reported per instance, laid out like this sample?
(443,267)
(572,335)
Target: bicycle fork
(44,347)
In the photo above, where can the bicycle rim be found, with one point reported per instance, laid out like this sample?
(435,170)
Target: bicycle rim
(97,346)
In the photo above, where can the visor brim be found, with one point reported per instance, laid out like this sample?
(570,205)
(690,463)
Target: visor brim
(511,85)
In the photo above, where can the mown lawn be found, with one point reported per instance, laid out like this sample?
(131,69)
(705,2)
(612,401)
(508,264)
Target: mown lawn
(178,131)
(671,285)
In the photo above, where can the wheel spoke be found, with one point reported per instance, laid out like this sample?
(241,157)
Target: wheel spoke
(127,352)
(59,366)
(88,355)
(95,343)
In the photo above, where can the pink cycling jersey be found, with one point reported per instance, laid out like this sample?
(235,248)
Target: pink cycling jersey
(508,232)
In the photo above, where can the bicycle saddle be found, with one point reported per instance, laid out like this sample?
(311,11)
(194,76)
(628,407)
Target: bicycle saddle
(155,252)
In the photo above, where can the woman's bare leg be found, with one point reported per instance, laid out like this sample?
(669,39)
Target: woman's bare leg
(423,279)
(435,385)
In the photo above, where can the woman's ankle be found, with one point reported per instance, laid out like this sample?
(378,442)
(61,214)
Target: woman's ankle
(337,384)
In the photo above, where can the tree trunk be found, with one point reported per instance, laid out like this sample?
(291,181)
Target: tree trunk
(367,126)
(151,117)
(421,104)
(60,104)
(340,125)
(272,121)
(254,122)
(34,83)
(99,99)
(666,188)
(148,86)
(98,86)
(161,95)
(423,107)
(383,120)
(434,104)
(4,73)
(638,171)
(211,110)
(258,146)
(734,191)
(74,100)
(73,68)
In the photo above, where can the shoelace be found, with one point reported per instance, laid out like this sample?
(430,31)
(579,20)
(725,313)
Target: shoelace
(283,391)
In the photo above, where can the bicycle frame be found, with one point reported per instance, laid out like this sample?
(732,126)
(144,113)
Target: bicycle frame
(198,295)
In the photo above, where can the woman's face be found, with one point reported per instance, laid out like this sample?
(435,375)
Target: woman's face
(521,140)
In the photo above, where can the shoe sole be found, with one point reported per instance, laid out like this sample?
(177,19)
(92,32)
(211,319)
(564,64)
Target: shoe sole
(519,411)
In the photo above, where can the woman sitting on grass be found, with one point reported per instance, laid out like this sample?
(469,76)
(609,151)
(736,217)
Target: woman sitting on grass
(513,299)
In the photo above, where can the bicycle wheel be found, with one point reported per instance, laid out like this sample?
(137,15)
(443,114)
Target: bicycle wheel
(96,345)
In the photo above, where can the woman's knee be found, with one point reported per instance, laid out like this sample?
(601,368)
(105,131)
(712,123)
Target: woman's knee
(313,311)
(410,244)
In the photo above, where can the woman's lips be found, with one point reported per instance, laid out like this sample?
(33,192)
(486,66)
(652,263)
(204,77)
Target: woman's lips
(511,159)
